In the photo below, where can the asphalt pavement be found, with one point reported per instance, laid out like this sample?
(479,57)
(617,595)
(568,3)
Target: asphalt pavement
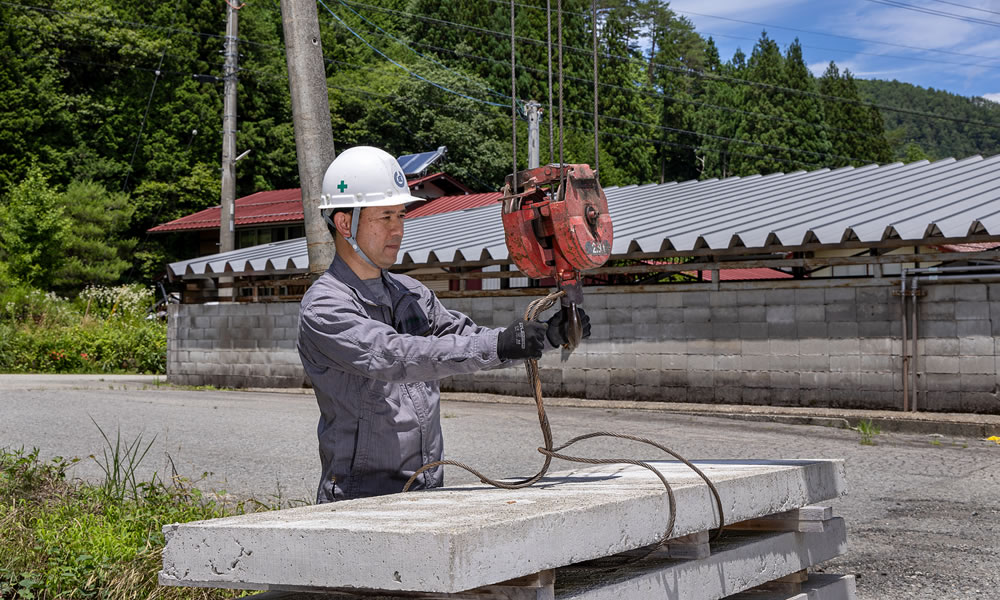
(922,506)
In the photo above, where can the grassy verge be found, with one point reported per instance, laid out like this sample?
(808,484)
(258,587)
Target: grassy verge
(103,330)
(63,538)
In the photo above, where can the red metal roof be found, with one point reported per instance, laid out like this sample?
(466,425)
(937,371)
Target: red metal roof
(452,203)
(276,206)
(285,206)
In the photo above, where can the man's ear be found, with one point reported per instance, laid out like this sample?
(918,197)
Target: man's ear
(342,221)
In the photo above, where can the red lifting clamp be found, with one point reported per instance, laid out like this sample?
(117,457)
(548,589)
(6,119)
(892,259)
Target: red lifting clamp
(554,231)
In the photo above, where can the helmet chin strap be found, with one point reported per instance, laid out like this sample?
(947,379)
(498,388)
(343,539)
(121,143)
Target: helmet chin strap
(355,219)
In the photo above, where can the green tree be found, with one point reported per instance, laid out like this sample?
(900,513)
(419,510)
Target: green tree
(94,249)
(855,130)
(680,54)
(626,155)
(914,153)
(34,230)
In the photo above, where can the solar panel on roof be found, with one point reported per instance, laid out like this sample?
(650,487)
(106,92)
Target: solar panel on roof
(414,164)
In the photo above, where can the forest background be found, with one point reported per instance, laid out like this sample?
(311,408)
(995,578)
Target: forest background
(110,111)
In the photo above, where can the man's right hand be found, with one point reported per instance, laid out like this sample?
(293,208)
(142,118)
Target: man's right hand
(522,340)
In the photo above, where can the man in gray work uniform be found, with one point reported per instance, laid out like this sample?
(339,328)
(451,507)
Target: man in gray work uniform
(375,344)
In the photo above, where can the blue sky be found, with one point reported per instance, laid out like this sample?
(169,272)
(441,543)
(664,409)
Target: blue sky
(889,42)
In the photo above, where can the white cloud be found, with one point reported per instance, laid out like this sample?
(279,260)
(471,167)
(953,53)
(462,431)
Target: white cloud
(993,97)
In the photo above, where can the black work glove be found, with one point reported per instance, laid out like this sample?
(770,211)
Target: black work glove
(559,322)
(523,339)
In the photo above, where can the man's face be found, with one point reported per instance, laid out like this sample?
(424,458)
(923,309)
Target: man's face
(380,233)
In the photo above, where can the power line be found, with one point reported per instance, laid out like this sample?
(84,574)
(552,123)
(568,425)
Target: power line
(834,35)
(650,93)
(409,100)
(854,52)
(687,70)
(702,148)
(992,12)
(422,78)
(109,20)
(721,137)
(770,26)
(131,24)
(431,59)
(936,13)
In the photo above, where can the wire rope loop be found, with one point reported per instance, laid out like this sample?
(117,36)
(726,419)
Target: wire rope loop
(549,451)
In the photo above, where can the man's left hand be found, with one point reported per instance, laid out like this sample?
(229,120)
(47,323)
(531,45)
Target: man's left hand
(558,323)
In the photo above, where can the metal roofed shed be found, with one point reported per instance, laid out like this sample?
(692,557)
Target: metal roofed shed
(848,221)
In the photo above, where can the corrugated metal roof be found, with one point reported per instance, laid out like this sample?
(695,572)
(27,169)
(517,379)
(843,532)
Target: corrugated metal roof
(289,256)
(946,199)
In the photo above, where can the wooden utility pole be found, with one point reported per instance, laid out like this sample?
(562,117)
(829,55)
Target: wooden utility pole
(311,117)
(227,221)
(534,110)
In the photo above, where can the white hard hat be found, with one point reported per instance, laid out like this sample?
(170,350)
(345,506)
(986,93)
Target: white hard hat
(364,176)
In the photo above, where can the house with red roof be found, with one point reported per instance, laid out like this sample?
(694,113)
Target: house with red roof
(276,215)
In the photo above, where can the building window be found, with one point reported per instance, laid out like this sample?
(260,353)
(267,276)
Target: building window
(265,235)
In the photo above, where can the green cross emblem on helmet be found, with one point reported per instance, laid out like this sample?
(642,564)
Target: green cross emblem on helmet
(342,186)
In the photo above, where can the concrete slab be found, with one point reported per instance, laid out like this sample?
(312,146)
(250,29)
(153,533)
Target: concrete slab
(739,561)
(456,539)
(819,586)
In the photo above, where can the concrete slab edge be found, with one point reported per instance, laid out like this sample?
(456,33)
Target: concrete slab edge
(819,586)
(734,568)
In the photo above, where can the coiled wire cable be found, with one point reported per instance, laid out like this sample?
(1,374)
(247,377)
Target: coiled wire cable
(550,451)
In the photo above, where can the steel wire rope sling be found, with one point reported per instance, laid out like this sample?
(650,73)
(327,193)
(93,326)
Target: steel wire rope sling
(559,232)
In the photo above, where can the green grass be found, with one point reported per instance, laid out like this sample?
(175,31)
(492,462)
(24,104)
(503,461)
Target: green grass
(868,431)
(63,538)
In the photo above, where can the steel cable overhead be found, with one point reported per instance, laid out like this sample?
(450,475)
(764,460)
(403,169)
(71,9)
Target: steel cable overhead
(684,70)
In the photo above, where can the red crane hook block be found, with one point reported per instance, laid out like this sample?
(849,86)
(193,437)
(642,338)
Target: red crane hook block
(554,231)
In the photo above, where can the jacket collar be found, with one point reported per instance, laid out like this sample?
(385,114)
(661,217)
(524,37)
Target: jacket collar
(343,272)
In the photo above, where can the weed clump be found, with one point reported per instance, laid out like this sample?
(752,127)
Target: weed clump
(64,538)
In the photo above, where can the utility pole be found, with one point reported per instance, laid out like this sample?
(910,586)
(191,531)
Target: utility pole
(227,222)
(311,117)
(227,218)
(534,115)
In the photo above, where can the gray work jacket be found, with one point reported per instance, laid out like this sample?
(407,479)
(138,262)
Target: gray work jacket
(374,369)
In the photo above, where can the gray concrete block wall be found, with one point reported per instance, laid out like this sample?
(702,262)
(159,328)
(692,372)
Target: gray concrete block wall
(817,346)
(234,345)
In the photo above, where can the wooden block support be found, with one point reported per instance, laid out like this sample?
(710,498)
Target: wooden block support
(808,519)
(539,586)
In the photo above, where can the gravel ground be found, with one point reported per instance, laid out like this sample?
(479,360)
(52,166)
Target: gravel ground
(922,511)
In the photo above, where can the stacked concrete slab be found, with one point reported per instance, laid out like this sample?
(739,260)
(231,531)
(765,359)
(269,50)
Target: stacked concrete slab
(470,541)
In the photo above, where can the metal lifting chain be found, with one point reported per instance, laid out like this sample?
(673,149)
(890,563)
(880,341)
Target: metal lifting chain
(550,451)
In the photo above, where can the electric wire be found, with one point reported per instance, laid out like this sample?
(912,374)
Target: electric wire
(401,66)
(936,13)
(810,46)
(650,93)
(833,35)
(876,54)
(407,101)
(992,12)
(687,70)
(425,57)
